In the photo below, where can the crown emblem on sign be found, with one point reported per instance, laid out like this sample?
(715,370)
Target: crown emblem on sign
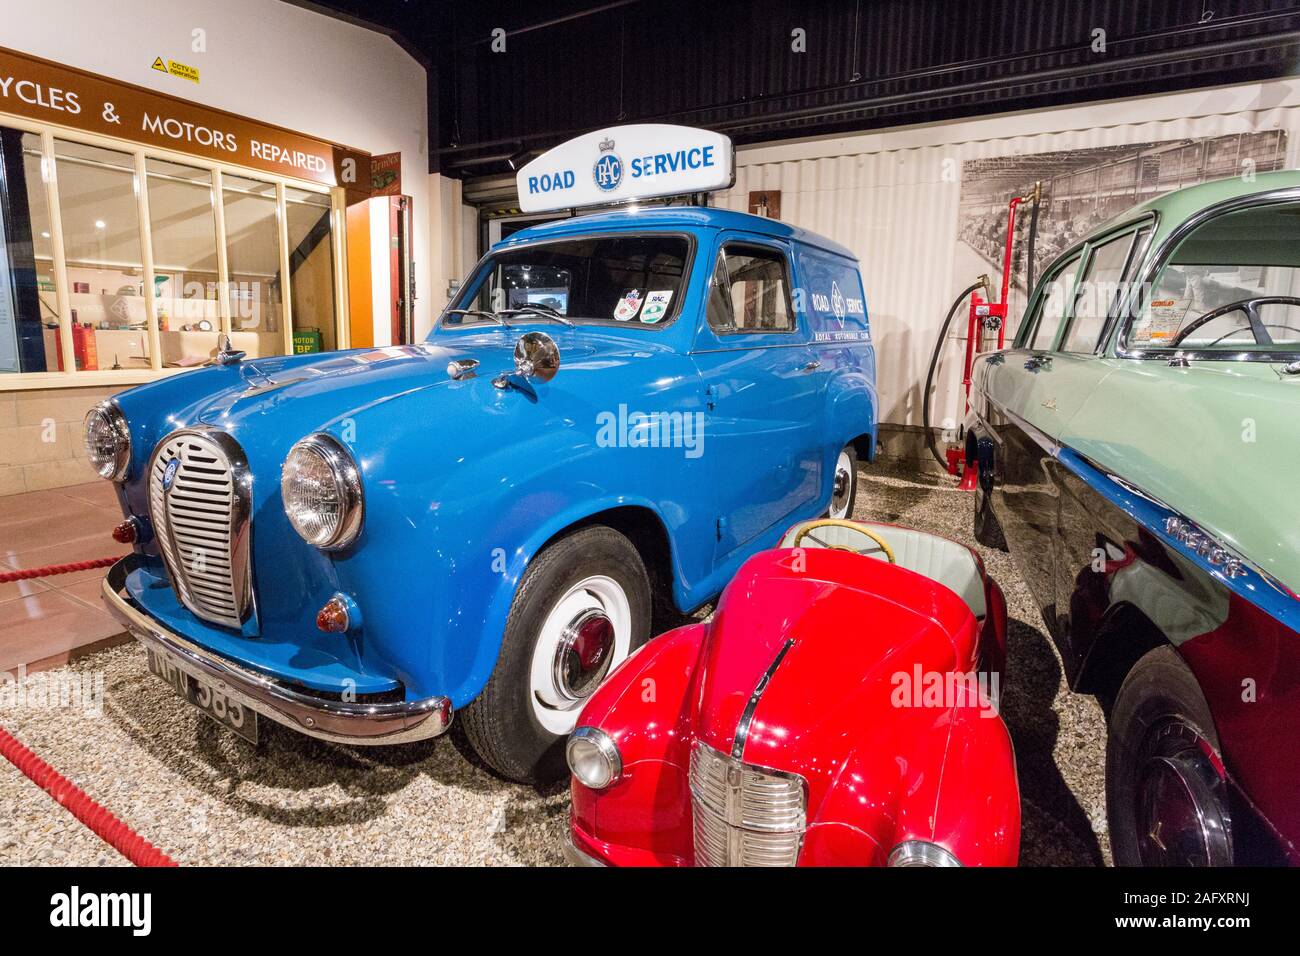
(606,145)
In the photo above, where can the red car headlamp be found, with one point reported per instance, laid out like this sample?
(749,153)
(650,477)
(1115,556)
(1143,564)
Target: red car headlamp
(593,757)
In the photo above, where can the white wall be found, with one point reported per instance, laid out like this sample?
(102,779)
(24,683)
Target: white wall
(884,194)
(264,59)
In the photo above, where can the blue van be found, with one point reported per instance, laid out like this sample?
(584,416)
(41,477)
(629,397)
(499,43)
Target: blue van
(612,415)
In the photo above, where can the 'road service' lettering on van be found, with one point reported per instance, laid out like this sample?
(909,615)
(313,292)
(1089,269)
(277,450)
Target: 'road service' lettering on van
(698,157)
(550,182)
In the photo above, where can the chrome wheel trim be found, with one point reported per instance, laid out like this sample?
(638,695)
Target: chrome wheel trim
(591,599)
(1181,805)
(842,486)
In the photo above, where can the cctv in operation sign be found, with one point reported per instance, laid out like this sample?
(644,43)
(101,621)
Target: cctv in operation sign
(624,163)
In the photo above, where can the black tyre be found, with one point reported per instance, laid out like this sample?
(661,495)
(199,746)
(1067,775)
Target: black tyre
(583,605)
(844,487)
(1166,800)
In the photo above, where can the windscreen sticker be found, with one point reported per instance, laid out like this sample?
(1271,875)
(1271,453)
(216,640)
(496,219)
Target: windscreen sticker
(1162,321)
(656,305)
(628,306)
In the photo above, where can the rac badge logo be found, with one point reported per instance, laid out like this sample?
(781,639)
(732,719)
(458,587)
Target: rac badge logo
(608,170)
(837,303)
(169,473)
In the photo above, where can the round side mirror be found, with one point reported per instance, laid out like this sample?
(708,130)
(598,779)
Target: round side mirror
(537,356)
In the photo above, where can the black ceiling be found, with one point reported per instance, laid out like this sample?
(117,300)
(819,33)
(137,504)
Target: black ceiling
(576,65)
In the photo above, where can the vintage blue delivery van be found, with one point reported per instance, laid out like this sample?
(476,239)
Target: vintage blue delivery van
(615,411)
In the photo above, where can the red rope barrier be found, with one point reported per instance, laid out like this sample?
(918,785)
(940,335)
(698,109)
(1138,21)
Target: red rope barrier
(11,576)
(73,799)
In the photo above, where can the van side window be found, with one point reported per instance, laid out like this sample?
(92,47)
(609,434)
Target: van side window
(750,291)
(1058,288)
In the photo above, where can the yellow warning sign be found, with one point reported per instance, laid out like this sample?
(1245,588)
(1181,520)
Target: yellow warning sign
(184,72)
(176,69)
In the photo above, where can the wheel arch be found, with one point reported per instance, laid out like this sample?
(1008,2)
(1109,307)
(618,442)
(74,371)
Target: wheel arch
(643,526)
(1124,637)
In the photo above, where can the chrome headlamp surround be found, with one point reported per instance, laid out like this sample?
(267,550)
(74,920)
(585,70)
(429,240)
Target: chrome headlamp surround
(347,486)
(108,418)
(921,853)
(593,758)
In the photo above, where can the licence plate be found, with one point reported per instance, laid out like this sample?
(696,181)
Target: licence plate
(203,695)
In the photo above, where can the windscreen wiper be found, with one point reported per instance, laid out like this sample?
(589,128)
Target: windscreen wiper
(494,316)
(542,311)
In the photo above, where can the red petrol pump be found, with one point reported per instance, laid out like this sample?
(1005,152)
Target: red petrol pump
(984,316)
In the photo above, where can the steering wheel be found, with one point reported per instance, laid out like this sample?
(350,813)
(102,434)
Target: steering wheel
(852,526)
(1250,307)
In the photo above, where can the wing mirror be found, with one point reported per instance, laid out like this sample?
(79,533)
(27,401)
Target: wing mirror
(537,359)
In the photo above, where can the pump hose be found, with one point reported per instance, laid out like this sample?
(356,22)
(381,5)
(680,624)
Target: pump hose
(1029,257)
(934,364)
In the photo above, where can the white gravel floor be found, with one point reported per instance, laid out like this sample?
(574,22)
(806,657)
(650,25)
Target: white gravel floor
(207,798)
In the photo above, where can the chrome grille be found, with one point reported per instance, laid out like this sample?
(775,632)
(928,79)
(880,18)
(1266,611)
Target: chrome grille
(201,522)
(744,815)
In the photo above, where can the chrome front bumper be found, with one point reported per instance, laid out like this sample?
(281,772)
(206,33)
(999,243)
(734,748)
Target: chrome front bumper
(577,857)
(336,721)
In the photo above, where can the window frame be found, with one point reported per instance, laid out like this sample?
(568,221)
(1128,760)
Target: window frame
(70,376)
(464,297)
(1159,258)
(1139,234)
(1029,329)
(720,257)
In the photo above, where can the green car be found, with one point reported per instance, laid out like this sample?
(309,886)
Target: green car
(1138,453)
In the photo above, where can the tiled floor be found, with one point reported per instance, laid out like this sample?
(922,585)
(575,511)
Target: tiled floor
(48,621)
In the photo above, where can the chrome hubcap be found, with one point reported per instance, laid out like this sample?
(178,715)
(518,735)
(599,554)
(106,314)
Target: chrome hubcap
(1182,811)
(842,487)
(584,654)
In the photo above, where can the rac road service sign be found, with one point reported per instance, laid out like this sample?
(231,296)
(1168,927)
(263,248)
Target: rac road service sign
(624,163)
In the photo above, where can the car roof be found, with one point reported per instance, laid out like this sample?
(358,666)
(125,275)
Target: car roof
(677,217)
(1178,204)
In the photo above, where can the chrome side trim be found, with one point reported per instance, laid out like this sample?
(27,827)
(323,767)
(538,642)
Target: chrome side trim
(1233,570)
(335,721)
(747,716)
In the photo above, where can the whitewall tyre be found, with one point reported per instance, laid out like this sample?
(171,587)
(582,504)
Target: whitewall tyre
(581,608)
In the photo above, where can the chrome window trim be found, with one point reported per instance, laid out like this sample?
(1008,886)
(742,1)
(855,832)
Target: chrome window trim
(1137,255)
(240,524)
(1166,248)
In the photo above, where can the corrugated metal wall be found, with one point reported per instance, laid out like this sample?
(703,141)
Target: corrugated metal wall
(893,198)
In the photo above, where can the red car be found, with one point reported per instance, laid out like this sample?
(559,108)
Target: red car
(839,709)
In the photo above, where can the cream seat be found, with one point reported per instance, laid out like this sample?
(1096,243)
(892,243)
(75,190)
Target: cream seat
(931,555)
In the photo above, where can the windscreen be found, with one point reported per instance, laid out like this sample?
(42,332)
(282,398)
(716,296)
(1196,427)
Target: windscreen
(607,280)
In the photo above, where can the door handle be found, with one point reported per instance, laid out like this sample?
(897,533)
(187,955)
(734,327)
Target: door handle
(813,366)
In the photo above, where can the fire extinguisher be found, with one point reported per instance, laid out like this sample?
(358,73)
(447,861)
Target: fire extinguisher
(85,352)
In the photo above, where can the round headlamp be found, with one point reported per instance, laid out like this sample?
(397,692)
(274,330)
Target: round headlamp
(593,757)
(921,853)
(321,489)
(108,441)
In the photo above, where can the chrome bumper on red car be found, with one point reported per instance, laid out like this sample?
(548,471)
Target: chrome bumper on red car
(336,721)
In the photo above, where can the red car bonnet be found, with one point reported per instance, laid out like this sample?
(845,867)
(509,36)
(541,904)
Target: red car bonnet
(851,622)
